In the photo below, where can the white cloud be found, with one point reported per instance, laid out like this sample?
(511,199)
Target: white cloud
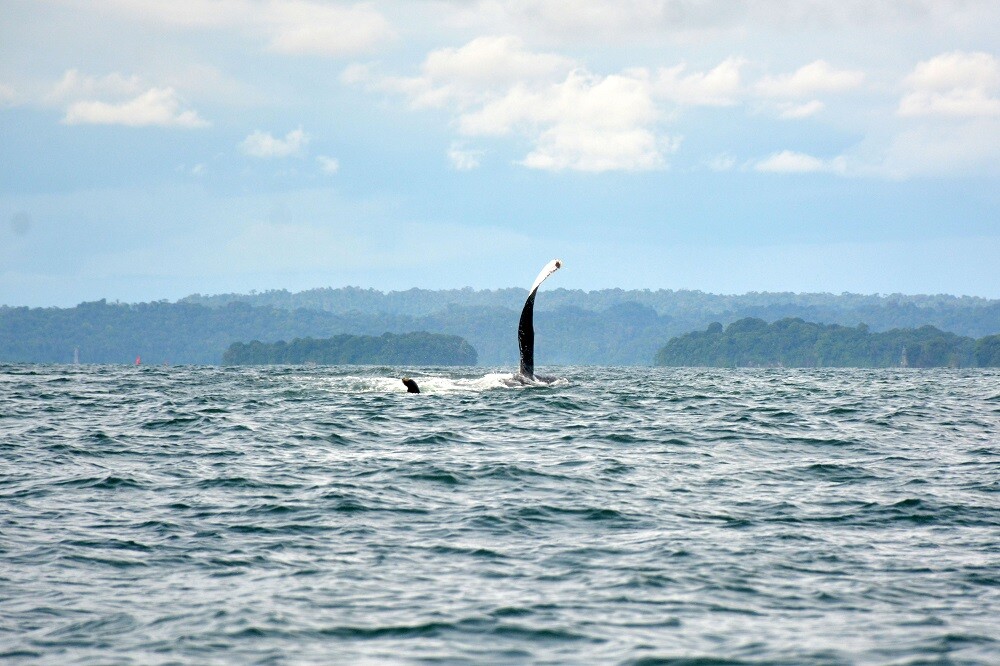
(575,119)
(957,85)
(463,159)
(788,161)
(300,27)
(188,14)
(948,121)
(328,165)
(205,82)
(799,111)
(117,99)
(287,26)
(816,77)
(957,103)
(569,146)
(492,63)
(721,162)
(264,145)
(75,86)
(357,74)
(587,122)
(717,87)
(956,70)
(483,68)
(584,17)
(615,101)
(695,22)
(943,148)
(156,106)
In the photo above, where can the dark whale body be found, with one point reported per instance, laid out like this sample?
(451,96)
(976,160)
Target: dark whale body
(525,339)
(526,332)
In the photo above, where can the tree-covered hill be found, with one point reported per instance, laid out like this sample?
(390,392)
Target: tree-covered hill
(386,349)
(160,332)
(988,352)
(753,342)
(609,327)
(191,333)
(688,310)
(614,326)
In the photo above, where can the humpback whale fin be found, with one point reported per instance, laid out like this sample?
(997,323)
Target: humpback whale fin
(411,386)
(526,327)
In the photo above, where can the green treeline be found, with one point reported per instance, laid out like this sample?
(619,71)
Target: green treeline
(681,310)
(176,333)
(607,327)
(190,333)
(792,342)
(388,349)
(160,332)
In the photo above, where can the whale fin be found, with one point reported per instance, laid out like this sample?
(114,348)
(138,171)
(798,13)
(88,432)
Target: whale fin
(526,326)
(411,386)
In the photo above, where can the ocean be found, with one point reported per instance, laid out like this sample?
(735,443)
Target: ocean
(318,515)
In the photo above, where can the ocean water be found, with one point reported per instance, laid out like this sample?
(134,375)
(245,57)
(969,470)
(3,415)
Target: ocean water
(297,515)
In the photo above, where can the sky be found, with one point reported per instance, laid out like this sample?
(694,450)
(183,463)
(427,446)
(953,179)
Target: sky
(150,150)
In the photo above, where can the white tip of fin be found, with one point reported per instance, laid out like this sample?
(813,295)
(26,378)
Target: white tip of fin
(549,269)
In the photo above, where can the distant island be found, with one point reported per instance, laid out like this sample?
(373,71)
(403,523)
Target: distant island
(792,342)
(388,349)
(601,327)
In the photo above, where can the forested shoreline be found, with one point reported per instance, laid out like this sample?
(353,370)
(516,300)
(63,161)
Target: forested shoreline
(965,315)
(606,327)
(792,342)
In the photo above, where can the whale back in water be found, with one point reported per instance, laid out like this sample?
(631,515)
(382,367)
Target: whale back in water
(526,325)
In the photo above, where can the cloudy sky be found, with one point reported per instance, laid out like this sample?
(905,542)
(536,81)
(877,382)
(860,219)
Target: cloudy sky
(150,150)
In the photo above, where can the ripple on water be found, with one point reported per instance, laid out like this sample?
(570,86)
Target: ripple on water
(624,515)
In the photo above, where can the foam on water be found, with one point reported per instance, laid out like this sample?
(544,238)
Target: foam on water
(428,382)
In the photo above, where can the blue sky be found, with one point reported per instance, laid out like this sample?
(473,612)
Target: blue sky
(151,150)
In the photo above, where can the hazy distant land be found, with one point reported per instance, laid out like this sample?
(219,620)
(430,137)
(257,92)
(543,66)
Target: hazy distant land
(603,327)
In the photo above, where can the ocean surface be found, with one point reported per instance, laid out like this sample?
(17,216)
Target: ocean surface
(317,515)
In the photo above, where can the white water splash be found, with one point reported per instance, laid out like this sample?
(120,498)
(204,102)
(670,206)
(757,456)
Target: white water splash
(431,383)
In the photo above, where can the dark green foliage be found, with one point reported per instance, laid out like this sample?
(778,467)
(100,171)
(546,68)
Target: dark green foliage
(607,327)
(164,332)
(610,326)
(685,310)
(388,349)
(793,342)
(191,333)
(988,352)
